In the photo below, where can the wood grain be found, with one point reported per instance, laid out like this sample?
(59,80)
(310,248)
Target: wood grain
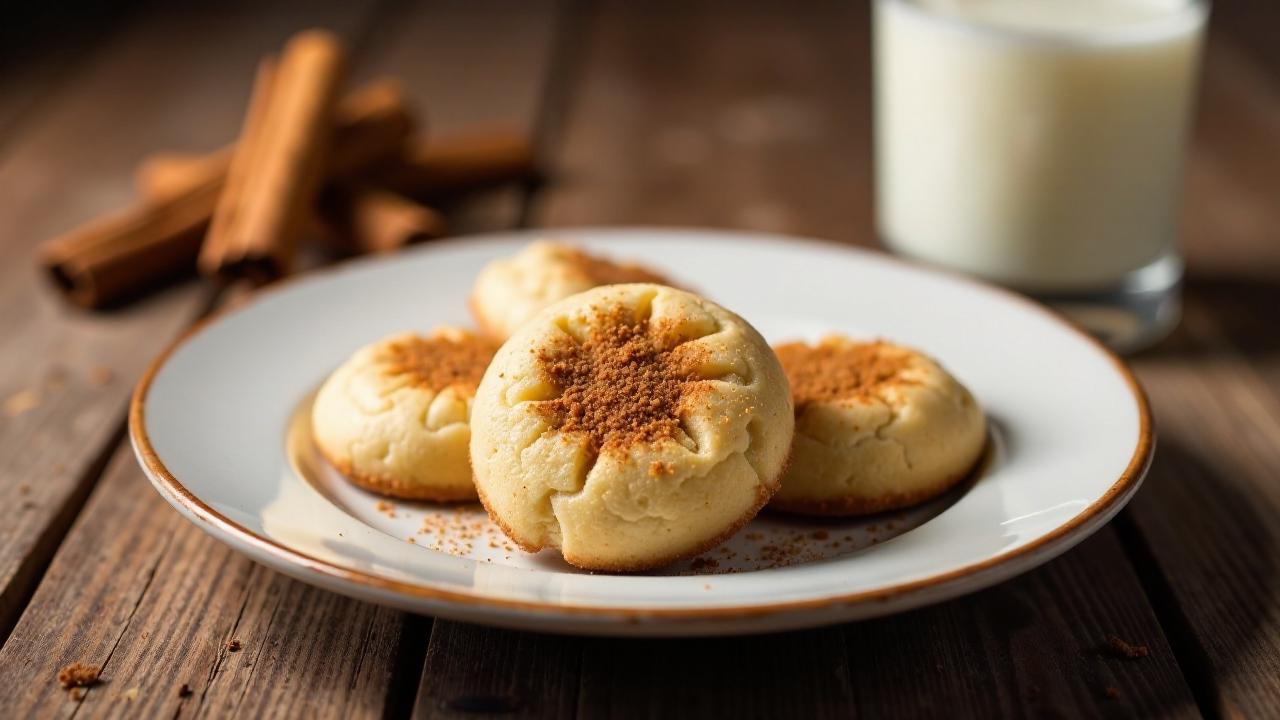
(144,594)
(1205,521)
(738,115)
(39,47)
(492,61)
(498,673)
(743,115)
(178,76)
(1036,646)
(799,674)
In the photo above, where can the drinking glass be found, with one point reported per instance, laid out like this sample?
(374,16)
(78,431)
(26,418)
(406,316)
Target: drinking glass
(1039,144)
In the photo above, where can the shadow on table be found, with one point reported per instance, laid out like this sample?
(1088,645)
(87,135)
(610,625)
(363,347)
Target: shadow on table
(1203,547)
(1036,645)
(1242,309)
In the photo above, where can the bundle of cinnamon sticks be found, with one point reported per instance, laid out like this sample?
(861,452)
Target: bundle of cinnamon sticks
(311,163)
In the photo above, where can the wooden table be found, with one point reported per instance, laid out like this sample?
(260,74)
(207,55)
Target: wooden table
(743,115)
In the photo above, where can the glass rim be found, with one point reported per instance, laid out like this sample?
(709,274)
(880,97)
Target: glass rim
(1192,14)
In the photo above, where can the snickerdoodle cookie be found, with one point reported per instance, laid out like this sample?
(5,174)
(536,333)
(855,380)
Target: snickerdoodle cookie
(878,427)
(509,291)
(395,417)
(630,426)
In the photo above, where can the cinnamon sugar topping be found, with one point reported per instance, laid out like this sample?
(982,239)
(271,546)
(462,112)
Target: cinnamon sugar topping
(658,468)
(830,371)
(607,272)
(437,363)
(624,384)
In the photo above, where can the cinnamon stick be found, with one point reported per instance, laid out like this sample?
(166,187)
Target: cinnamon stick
(144,246)
(243,164)
(441,168)
(276,168)
(355,219)
(446,167)
(374,220)
(162,174)
(373,127)
(138,248)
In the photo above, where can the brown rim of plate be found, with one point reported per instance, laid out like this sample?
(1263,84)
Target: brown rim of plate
(1138,464)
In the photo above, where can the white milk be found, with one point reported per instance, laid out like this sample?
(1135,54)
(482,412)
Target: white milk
(1037,143)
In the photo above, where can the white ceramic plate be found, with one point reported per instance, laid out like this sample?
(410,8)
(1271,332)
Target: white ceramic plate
(218,424)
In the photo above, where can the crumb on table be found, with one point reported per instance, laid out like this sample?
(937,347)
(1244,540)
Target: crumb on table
(20,402)
(1126,650)
(100,375)
(78,674)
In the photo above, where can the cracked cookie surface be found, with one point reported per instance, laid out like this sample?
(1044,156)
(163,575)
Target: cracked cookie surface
(395,417)
(630,426)
(878,427)
(510,290)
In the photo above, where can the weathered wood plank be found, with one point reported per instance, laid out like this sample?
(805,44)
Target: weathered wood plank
(1251,25)
(155,602)
(1229,210)
(1036,646)
(738,115)
(499,673)
(1028,646)
(176,78)
(484,62)
(39,47)
(798,674)
(1205,521)
(755,116)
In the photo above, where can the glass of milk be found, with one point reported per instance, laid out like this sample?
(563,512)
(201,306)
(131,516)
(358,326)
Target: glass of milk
(1039,144)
